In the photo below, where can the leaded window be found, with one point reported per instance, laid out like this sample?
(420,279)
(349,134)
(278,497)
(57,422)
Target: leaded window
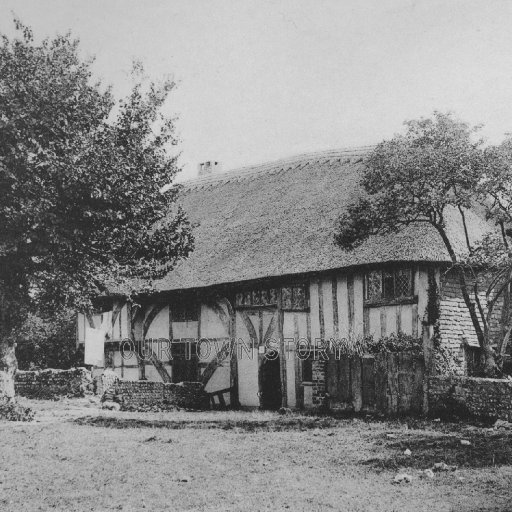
(389,284)
(257,297)
(293,298)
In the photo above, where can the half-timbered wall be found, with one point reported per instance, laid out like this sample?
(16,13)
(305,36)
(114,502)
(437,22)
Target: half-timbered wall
(214,328)
(339,310)
(324,307)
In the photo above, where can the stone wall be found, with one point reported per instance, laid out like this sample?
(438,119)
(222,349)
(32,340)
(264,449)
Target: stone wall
(470,397)
(51,383)
(133,395)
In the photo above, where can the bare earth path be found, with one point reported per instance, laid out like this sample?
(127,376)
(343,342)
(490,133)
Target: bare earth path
(77,457)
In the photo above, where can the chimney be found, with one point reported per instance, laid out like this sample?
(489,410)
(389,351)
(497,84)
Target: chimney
(209,167)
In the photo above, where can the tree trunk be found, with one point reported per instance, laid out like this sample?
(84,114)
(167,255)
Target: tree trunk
(489,357)
(490,368)
(8,367)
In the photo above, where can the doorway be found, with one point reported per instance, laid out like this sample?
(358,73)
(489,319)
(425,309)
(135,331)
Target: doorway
(270,383)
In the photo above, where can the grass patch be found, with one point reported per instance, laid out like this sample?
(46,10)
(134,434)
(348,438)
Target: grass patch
(74,458)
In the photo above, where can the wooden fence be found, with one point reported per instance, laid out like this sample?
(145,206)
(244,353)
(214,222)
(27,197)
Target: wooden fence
(387,383)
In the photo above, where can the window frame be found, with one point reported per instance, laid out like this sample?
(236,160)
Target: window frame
(290,297)
(411,298)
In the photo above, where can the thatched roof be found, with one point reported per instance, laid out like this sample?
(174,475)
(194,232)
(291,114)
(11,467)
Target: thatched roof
(279,218)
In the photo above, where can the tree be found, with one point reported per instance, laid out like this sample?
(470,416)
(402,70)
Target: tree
(48,343)
(80,180)
(436,170)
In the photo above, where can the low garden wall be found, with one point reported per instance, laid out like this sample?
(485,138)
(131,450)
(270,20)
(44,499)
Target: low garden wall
(143,395)
(51,383)
(470,397)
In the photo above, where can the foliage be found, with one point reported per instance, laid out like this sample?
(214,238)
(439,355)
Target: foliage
(48,343)
(396,343)
(445,363)
(12,411)
(361,345)
(440,169)
(415,178)
(80,180)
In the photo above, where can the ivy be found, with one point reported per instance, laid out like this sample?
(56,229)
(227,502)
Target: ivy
(362,345)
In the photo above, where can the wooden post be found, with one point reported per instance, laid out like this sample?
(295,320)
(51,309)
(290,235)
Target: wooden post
(428,355)
(299,390)
(392,385)
(356,383)
(282,352)
(368,371)
(350,293)
(335,318)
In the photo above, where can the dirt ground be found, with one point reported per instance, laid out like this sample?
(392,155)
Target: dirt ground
(77,457)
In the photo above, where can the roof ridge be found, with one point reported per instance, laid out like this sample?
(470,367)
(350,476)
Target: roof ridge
(249,170)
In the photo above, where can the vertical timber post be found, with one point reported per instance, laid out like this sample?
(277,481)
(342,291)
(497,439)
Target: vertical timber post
(428,355)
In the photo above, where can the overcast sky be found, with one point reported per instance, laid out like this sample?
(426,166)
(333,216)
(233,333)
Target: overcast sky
(260,80)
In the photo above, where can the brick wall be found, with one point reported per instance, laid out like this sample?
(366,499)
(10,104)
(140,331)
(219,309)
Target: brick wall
(47,384)
(470,397)
(455,324)
(133,395)
(319,388)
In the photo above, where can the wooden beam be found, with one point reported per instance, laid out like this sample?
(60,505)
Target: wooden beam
(415,320)
(399,319)
(299,390)
(136,314)
(159,366)
(335,317)
(356,383)
(228,318)
(383,321)
(282,358)
(116,311)
(321,317)
(366,321)
(270,330)
(250,328)
(153,358)
(350,293)
(150,317)
(216,305)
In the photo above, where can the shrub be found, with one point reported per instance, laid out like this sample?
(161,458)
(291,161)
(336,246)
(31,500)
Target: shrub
(12,411)
(361,345)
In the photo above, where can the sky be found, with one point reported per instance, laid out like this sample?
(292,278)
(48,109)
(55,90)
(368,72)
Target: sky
(267,79)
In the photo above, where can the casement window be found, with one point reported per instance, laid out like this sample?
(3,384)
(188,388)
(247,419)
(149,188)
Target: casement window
(258,297)
(295,298)
(389,285)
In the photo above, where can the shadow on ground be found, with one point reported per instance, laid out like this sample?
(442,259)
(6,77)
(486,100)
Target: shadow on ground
(274,424)
(487,449)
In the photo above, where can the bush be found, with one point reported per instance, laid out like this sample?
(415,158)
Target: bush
(13,411)
(48,343)
(359,345)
